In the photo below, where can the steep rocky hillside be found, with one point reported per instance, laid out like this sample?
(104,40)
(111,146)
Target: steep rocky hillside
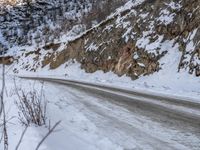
(131,41)
(40,21)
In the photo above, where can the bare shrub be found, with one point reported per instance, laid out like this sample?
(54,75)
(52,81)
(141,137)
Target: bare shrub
(32,107)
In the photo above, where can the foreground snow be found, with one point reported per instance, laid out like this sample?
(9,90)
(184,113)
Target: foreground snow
(94,122)
(71,134)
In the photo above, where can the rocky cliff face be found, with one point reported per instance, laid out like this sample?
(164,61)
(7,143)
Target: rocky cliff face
(132,41)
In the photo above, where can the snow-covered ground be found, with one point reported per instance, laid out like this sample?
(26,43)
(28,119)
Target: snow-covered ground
(167,81)
(75,132)
(93,122)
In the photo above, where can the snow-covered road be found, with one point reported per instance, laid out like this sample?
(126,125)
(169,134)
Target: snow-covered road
(91,120)
(183,107)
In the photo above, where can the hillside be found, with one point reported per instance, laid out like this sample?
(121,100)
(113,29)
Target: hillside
(141,40)
(100,74)
(39,22)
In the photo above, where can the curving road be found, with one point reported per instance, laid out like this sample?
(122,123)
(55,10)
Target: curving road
(148,120)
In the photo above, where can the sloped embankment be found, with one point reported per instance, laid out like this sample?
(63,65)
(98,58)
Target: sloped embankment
(133,41)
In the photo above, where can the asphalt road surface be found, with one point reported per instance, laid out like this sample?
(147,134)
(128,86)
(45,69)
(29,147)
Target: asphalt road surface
(149,121)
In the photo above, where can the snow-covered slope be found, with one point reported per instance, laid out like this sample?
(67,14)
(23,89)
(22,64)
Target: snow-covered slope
(93,122)
(40,21)
(155,42)
(151,45)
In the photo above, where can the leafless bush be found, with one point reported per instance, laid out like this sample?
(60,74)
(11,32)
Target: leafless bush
(32,107)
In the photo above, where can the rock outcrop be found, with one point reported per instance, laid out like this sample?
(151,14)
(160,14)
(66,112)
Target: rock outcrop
(7,60)
(132,41)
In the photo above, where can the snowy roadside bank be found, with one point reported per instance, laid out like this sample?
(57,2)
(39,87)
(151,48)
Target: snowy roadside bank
(94,123)
(182,85)
(70,134)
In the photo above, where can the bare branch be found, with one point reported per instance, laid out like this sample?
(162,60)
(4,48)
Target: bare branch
(32,107)
(49,133)
(2,108)
(2,89)
(21,138)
